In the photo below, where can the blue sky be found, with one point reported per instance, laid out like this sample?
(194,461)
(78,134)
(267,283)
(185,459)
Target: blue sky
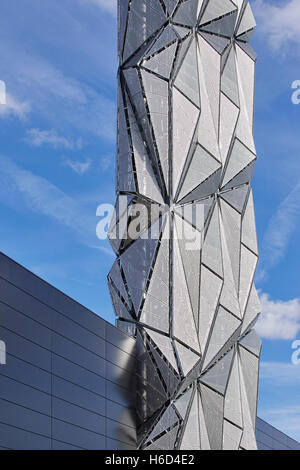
(57,133)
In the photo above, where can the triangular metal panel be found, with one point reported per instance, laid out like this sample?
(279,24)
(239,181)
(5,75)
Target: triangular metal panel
(229,296)
(190,249)
(212,251)
(231,221)
(166,421)
(217,42)
(249,236)
(207,132)
(165,346)
(162,63)
(217,376)
(170,380)
(239,159)
(253,310)
(143,20)
(246,67)
(170,5)
(205,189)
(210,289)
(237,197)
(182,403)
(166,442)
(136,262)
(248,267)
(116,277)
(229,80)
(249,367)
(167,36)
(187,80)
(201,167)
(204,439)
(248,441)
(233,404)
(228,120)
(183,318)
(187,358)
(247,22)
(191,436)
(252,343)
(215,9)
(187,13)
(224,26)
(232,436)
(147,182)
(211,69)
(197,213)
(185,116)
(224,328)
(244,177)
(213,405)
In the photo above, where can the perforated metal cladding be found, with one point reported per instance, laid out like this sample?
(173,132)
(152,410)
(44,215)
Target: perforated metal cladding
(185,146)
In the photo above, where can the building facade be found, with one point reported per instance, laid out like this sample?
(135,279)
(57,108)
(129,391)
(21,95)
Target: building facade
(67,377)
(184,233)
(67,381)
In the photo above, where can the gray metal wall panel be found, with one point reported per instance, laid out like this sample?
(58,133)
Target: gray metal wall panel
(78,396)
(76,436)
(24,418)
(78,375)
(26,373)
(78,416)
(24,349)
(22,395)
(21,324)
(18,439)
(77,354)
(67,370)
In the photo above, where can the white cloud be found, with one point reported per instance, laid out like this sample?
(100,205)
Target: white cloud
(16,108)
(279,319)
(280,24)
(38,138)
(79,167)
(279,232)
(107,5)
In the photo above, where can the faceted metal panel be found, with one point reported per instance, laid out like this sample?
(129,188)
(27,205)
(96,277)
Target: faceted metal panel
(215,9)
(232,436)
(191,436)
(217,376)
(213,406)
(187,80)
(233,405)
(186,124)
(182,403)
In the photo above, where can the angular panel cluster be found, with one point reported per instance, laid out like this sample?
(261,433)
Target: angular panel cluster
(185,144)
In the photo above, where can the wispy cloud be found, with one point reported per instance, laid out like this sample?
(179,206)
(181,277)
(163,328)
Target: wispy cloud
(280,373)
(278,23)
(20,187)
(14,107)
(79,167)
(279,232)
(279,319)
(38,138)
(107,5)
(59,99)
